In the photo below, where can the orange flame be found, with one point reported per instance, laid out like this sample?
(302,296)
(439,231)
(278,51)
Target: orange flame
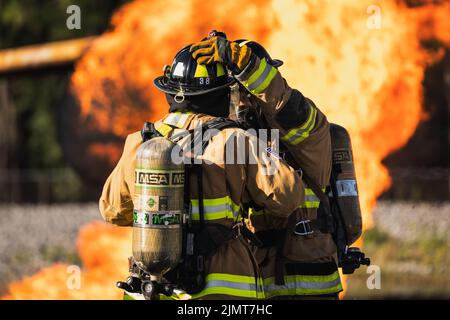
(368,80)
(102,250)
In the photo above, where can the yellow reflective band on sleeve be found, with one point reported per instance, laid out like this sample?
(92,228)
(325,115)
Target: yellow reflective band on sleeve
(232,285)
(310,204)
(201,71)
(273,71)
(256,74)
(311,200)
(220,70)
(261,78)
(303,285)
(215,209)
(297,135)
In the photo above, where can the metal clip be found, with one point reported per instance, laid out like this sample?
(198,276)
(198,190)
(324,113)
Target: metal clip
(238,226)
(303,228)
(179,97)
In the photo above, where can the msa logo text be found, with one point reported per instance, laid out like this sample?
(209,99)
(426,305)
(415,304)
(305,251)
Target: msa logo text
(153,178)
(178,178)
(342,155)
(160,179)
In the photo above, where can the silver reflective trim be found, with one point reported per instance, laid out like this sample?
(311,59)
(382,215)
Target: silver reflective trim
(311,198)
(303,285)
(230,284)
(212,209)
(346,188)
(174,119)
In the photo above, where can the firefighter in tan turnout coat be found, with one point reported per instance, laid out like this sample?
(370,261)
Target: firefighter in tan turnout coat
(298,258)
(197,94)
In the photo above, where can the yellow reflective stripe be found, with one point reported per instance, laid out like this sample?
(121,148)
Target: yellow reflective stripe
(218,208)
(310,204)
(201,71)
(261,78)
(297,135)
(311,200)
(305,134)
(260,292)
(229,284)
(310,192)
(220,70)
(255,76)
(266,82)
(299,291)
(164,129)
(230,277)
(303,285)
(293,131)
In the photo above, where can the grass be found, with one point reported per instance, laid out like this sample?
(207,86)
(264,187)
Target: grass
(413,263)
(409,269)
(34,237)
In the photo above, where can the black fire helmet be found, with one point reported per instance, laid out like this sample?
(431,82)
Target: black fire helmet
(187,78)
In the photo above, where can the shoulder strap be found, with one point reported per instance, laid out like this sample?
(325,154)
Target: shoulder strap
(218,124)
(149,131)
(323,200)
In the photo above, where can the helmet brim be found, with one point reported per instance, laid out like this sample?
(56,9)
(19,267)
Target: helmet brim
(162,85)
(276,63)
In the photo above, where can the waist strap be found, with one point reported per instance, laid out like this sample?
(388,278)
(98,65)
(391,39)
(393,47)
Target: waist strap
(274,237)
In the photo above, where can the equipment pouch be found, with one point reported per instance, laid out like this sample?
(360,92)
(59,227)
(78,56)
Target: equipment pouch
(307,248)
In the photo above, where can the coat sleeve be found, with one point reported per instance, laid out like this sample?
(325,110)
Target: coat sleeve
(116,201)
(303,128)
(271,182)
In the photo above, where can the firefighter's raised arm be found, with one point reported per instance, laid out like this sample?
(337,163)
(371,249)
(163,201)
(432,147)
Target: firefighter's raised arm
(303,127)
(116,203)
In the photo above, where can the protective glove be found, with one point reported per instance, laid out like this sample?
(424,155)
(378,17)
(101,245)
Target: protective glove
(219,49)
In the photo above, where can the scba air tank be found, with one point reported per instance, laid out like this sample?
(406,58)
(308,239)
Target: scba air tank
(343,183)
(158,203)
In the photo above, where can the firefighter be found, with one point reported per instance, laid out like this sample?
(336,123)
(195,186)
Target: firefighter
(197,94)
(298,258)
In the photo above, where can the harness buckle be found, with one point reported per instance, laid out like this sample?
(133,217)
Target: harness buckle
(238,226)
(303,228)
